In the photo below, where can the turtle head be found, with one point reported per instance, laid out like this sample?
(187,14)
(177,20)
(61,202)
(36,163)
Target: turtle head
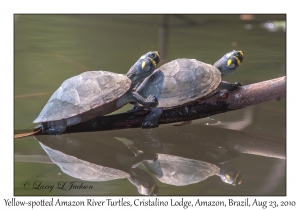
(229,62)
(143,67)
(231,176)
(143,181)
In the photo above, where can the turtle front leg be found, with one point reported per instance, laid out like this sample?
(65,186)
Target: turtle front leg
(151,100)
(151,120)
(136,86)
(229,86)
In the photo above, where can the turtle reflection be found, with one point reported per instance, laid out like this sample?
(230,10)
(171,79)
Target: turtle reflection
(99,160)
(180,164)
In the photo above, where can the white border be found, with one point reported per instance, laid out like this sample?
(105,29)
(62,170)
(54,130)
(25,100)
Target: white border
(8,8)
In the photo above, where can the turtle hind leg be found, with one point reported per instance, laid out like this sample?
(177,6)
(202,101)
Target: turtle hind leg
(54,127)
(151,120)
(225,87)
(229,86)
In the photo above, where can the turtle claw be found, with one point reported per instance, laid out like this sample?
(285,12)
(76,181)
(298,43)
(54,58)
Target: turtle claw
(223,94)
(151,120)
(151,100)
(148,124)
(237,84)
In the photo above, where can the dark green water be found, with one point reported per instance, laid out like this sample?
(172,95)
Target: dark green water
(51,48)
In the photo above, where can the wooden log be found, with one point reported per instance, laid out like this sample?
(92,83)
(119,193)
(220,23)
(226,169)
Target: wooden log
(243,97)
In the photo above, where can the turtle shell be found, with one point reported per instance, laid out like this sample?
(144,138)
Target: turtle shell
(82,169)
(181,81)
(180,171)
(88,91)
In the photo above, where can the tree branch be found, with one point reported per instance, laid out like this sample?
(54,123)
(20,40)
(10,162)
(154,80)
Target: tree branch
(243,97)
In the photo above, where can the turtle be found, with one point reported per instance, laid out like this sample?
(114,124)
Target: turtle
(184,81)
(181,171)
(95,93)
(98,159)
(182,164)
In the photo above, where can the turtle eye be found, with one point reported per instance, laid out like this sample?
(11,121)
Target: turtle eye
(151,55)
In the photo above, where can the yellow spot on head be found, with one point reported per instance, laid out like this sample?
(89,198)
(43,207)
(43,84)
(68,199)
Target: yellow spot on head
(229,62)
(142,190)
(153,61)
(238,60)
(240,181)
(143,64)
(236,176)
(158,54)
(241,53)
(228,177)
(152,190)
